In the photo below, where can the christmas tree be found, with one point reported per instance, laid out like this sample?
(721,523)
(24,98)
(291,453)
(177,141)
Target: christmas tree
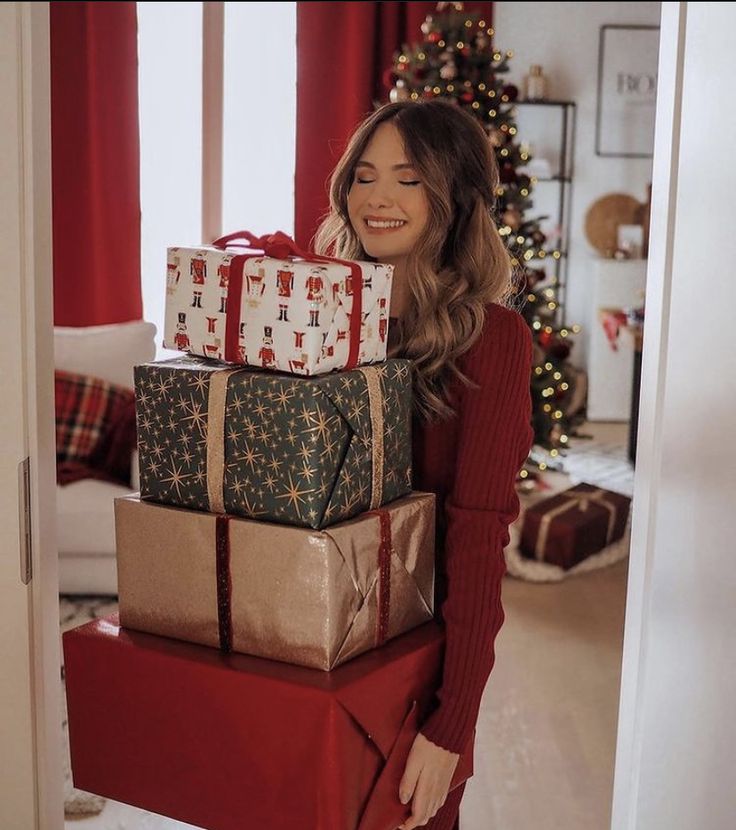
(456,60)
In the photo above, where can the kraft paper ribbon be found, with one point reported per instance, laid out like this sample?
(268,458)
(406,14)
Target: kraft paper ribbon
(216,399)
(582,501)
(375,406)
(215,465)
(280,246)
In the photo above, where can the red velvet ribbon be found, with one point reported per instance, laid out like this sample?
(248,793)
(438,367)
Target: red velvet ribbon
(384,575)
(280,246)
(224,582)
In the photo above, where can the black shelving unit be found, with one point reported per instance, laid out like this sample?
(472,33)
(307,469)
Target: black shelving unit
(563,179)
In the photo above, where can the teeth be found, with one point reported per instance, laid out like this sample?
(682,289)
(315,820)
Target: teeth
(385,223)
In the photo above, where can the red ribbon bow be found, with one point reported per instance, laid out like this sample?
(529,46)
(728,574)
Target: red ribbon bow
(281,246)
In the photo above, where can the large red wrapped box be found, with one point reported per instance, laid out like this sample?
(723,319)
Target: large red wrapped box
(574,524)
(229,742)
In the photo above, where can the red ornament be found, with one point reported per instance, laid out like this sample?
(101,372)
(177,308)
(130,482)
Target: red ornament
(507,173)
(434,37)
(560,350)
(467,97)
(511,91)
(544,338)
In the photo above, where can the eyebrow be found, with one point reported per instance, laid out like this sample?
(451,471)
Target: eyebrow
(404,166)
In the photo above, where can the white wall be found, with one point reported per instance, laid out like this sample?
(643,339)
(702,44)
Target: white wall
(563,38)
(676,752)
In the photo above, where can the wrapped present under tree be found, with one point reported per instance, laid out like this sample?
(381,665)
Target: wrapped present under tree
(570,526)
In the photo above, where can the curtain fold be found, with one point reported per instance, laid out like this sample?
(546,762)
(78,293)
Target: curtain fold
(95,163)
(343,51)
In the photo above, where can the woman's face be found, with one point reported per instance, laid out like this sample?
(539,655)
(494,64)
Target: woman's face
(387,202)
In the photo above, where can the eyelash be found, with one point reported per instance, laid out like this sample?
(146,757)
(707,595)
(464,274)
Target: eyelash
(358,180)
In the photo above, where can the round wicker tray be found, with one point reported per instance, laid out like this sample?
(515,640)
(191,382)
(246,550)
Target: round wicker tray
(605,215)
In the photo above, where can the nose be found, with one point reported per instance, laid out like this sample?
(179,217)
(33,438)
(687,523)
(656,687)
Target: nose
(379,196)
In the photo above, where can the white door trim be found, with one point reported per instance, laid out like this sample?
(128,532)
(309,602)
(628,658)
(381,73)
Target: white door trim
(35,797)
(651,413)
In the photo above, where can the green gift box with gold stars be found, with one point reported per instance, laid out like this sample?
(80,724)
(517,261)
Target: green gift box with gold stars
(300,451)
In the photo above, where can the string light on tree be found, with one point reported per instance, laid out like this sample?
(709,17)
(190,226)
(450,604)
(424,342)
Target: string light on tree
(455,59)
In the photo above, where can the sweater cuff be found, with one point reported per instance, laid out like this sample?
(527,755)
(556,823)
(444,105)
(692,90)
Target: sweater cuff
(451,729)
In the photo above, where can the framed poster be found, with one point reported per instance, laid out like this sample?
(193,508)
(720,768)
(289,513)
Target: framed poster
(627,91)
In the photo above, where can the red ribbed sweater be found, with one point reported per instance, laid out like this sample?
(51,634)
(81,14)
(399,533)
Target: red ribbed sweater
(471,463)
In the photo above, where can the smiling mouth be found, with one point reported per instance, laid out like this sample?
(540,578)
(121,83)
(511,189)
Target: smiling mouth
(384,224)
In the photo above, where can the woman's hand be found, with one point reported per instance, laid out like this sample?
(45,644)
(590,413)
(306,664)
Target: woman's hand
(426,781)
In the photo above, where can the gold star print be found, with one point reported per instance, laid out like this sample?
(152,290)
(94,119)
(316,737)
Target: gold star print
(270,481)
(250,427)
(162,388)
(322,425)
(143,399)
(265,436)
(291,438)
(260,409)
(238,403)
(330,447)
(357,409)
(187,457)
(250,456)
(232,434)
(200,382)
(339,398)
(185,439)
(250,509)
(200,477)
(401,370)
(306,415)
(322,492)
(172,424)
(274,464)
(182,404)
(158,451)
(307,471)
(145,423)
(197,418)
(381,371)
(294,495)
(283,397)
(153,467)
(176,479)
(305,451)
(238,487)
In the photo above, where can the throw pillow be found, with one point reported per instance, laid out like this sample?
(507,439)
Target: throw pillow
(95,428)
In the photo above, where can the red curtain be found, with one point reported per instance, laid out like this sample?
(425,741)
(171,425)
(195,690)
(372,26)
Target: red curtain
(95,163)
(343,51)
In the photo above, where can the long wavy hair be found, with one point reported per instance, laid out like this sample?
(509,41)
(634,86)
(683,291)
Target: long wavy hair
(459,264)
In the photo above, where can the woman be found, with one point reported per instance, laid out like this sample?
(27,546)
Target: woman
(416,188)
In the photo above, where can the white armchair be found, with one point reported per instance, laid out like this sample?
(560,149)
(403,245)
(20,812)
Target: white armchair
(85,518)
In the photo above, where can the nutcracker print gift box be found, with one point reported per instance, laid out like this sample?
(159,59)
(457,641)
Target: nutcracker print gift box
(276,306)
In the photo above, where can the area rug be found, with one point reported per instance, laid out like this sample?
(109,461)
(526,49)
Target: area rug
(73,612)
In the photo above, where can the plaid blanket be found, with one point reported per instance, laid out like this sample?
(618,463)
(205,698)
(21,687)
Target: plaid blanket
(95,429)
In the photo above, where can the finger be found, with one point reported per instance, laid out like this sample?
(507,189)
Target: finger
(409,780)
(422,801)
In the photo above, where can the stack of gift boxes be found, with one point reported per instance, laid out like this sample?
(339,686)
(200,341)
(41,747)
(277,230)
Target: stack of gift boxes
(275,515)
(275,519)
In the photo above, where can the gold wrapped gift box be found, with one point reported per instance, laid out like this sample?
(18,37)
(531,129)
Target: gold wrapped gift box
(309,597)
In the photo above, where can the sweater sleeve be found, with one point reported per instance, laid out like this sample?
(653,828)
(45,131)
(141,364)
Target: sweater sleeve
(494,439)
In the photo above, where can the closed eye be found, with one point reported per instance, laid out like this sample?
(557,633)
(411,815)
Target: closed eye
(410,184)
(359,180)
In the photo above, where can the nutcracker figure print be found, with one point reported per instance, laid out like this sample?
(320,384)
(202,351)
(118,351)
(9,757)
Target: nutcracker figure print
(299,339)
(198,273)
(256,285)
(223,272)
(315,293)
(242,355)
(382,319)
(173,271)
(285,285)
(181,338)
(267,355)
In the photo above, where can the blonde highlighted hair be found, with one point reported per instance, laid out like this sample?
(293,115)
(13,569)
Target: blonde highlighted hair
(459,264)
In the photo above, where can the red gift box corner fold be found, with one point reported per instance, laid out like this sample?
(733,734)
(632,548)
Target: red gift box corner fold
(232,741)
